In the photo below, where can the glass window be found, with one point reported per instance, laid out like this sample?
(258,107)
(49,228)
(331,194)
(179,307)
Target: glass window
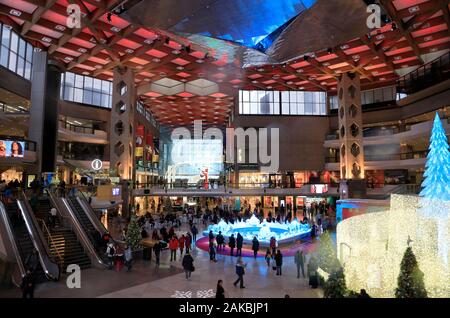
(88,83)
(87,97)
(78,95)
(96,98)
(20,66)
(4,54)
(12,61)
(78,81)
(6,34)
(29,56)
(14,42)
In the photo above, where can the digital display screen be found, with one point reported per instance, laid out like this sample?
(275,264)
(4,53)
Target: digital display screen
(12,148)
(319,188)
(188,158)
(116,192)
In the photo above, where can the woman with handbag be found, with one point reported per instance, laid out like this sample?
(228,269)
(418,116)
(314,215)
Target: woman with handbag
(188,265)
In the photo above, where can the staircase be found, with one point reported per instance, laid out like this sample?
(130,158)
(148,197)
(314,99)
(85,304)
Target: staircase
(23,239)
(64,245)
(62,242)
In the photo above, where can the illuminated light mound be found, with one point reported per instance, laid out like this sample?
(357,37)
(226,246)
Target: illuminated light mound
(371,247)
(283,232)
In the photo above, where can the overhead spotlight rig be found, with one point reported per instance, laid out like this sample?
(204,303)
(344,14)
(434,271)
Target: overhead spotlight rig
(117,10)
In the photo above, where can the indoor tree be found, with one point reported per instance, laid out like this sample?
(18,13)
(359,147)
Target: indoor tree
(410,280)
(133,237)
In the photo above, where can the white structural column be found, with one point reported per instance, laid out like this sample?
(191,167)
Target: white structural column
(351,136)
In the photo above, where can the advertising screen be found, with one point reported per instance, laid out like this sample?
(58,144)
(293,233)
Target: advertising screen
(12,148)
(115,192)
(188,158)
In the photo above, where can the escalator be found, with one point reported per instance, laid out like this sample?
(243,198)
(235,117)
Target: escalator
(25,237)
(94,234)
(74,218)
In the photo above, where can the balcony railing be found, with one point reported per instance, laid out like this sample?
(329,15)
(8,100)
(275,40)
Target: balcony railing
(76,128)
(400,156)
(425,76)
(8,109)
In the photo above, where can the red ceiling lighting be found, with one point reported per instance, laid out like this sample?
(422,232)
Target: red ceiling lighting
(180,61)
(156,53)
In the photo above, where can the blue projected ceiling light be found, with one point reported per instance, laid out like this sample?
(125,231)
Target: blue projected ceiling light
(252,23)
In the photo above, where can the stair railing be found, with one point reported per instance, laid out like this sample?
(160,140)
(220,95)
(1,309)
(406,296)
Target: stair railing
(51,243)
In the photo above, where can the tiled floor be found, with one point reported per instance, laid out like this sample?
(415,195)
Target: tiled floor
(169,280)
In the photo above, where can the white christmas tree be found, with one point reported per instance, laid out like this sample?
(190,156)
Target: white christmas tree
(437,173)
(436,186)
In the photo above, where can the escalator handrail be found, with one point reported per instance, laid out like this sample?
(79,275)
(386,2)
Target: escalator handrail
(51,269)
(12,240)
(98,226)
(82,235)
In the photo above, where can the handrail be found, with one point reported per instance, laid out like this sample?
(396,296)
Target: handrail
(89,212)
(99,227)
(50,242)
(81,234)
(12,239)
(37,238)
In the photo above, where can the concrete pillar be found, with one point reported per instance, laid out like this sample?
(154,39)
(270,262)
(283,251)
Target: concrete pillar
(43,125)
(122,136)
(353,184)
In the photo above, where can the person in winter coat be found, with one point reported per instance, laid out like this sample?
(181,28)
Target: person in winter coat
(239,243)
(32,261)
(111,253)
(157,250)
(220,241)
(300,262)
(194,232)
(268,257)
(279,262)
(273,245)
(28,284)
(220,291)
(173,246)
(255,246)
(231,244)
(188,265)
(188,242)
(212,250)
(181,243)
(128,256)
(240,271)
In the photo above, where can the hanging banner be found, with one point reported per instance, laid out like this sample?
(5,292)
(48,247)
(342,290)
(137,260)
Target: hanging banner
(139,152)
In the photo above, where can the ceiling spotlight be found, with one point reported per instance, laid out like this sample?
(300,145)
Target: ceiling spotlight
(108,17)
(329,50)
(394,26)
(188,49)
(306,57)
(167,40)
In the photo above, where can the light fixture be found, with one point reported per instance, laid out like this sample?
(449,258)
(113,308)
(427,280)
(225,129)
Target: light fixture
(329,50)
(108,17)
(167,40)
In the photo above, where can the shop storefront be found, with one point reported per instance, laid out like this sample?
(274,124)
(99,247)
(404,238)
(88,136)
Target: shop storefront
(253,180)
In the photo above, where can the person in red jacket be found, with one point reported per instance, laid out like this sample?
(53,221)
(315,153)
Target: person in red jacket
(181,242)
(173,246)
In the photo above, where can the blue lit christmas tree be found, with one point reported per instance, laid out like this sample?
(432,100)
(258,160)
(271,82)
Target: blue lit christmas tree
(436,186)
(437,173)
